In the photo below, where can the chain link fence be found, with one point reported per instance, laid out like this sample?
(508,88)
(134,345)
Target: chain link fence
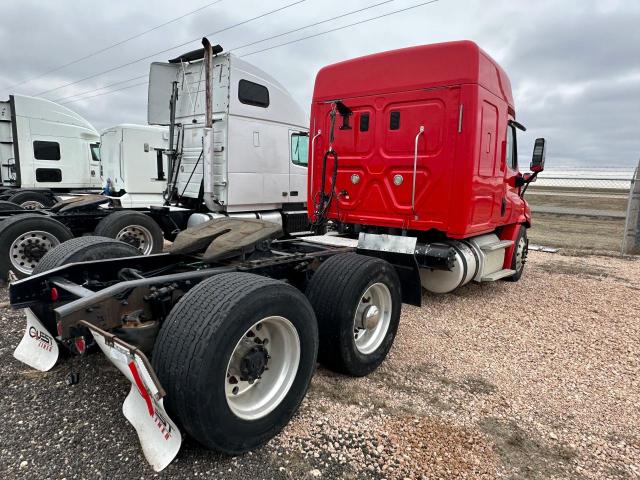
(580,210)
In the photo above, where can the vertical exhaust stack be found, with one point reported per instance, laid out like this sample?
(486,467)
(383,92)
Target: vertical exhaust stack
(207,136)
(208,57)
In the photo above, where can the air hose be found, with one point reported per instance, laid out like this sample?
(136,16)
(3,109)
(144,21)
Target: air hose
(323,199)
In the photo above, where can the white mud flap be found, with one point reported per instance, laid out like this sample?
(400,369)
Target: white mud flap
(143,407)
(38,348)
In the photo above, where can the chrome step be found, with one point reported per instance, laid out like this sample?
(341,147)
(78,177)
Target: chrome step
(492,247)
(492,277)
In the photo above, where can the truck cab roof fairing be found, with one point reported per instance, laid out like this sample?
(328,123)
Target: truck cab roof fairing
(413,68)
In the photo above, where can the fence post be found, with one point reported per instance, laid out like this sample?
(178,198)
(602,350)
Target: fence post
(631,240)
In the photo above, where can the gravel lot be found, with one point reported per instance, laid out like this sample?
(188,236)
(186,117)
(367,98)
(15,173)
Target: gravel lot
(538,379)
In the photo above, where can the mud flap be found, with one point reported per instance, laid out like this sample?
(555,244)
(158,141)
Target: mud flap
(159,436)
(38,348)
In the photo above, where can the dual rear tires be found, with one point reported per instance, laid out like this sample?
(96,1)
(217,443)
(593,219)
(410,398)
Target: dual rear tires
(357,301)
(237,352)
(236,356)
(26,238)
(135,228)
(30,200)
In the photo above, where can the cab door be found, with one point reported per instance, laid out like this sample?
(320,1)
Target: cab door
(511,198)
(298,155)
(95,175)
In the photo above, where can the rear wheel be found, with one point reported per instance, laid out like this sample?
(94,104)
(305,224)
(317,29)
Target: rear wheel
(84,249)
(520,252)
(236,355)
(25,239)
(357,302)
(134,228)
(32,200)
(6,206)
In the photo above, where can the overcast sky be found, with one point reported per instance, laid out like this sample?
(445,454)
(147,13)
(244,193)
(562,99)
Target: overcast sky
(574,65)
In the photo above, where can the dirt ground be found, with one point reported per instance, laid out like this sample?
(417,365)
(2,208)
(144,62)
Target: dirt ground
(573,232)
(534,380)
(576,233)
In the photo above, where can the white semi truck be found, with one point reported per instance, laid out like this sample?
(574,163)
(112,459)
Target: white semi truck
(133,164)
(237,149)
(45,149)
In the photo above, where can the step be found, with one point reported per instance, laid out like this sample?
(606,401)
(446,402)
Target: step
(492,247)
(492,277)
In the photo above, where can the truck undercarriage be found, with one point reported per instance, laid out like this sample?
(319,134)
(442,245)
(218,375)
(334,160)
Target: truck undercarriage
(135,306)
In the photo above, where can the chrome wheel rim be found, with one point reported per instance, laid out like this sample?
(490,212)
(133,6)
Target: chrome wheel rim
(27,249)
(372,318)
(32,205)
(262,368)
(521,253)
(137,236)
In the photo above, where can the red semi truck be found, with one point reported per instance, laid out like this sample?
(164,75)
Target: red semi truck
(421,143)
(412,168)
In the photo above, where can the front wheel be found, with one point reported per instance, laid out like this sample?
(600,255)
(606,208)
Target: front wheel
(357,301)
(520,252)
(236,355)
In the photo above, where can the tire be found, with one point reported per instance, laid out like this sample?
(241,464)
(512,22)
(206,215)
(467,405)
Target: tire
(337,293)
(193,351)
(33,200)
(83,249)
(6,206)
(134,228)
(15,233)
(521,249)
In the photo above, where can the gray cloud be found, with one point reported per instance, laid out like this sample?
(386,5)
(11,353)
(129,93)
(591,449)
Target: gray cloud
(574,65)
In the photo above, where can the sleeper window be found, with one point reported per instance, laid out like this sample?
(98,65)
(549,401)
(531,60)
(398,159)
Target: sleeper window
(254,94)
(46,150)
(394,120)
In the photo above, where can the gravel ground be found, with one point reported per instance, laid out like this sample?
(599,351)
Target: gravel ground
(538,379)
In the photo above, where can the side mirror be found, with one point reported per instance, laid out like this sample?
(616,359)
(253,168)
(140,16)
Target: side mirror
(539,151)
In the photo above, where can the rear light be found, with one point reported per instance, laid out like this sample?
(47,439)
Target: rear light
(80,344)
(54,294)
(59,328)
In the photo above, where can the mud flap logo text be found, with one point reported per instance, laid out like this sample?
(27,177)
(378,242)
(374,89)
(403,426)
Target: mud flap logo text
(162,424)
(44,340)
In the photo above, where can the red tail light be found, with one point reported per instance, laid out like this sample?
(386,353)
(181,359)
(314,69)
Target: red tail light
(80,344)
(54,294)
(59,328)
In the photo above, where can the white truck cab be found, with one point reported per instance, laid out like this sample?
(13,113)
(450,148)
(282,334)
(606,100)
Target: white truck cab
(253,158)
(46,145)
(134,164)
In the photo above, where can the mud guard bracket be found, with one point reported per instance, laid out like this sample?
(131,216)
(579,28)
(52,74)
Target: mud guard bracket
(399,252)
(159,436)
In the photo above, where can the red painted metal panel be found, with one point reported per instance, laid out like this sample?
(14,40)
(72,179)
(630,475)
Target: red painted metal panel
(461,97)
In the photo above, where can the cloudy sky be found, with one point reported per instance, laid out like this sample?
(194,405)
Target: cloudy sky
(574,64)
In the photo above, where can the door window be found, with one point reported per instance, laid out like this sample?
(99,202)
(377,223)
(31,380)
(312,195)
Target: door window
(512,151)
(300,148)
(95,152)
